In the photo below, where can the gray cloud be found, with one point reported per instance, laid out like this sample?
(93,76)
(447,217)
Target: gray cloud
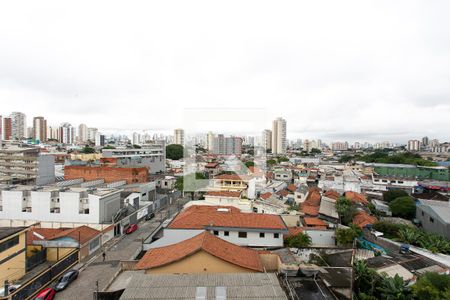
(353,70)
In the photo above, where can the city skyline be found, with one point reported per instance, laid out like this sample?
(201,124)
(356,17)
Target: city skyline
(343,82)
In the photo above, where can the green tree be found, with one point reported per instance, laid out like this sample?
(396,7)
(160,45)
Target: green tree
(393,288)
(109,147)
(432,286)
(345,236)
(271,162)
(366,280)
(87,150)
(346,210)
(282,159)
(409,235)
(394,194)
(136,146)
(249,164)
(300,240)
(403,207)
(174,151)
(180,184)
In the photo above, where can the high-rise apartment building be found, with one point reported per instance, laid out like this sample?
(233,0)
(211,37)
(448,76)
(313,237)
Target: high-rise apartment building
(339,146)
(91,134)
(7,128)
(67,133)
(18,125)
(227,145)
(279,136)
(82,133)
(40,129)
(267,139)
(210,141)
(425,141)
(179,136)
(413,145)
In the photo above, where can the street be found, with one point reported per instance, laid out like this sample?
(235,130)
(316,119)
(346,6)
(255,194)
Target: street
(96,270)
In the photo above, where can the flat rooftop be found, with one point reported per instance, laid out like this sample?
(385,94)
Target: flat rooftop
(7,231)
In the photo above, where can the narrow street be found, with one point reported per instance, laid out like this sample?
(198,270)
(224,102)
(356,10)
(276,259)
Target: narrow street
(94,269)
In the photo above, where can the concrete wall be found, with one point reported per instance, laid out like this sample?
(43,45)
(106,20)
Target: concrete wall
(109,174)
(431,222)
(322,238)
(13,266)
(200,262)
(46,170)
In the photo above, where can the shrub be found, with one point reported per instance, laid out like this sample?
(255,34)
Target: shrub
(403,207)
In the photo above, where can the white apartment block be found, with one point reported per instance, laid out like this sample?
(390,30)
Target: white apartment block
(413,145)
(18,125)
(179,136)
(82,133)
(66,133)
(56,207)
(279,136)
(152,156)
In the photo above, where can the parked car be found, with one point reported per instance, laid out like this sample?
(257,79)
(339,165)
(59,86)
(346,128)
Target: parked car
(65,280)
(131,228)
(11,289)
(46,294)
(149,216)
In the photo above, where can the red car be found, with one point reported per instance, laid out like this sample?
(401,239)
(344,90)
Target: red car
(46,294)
(131,228)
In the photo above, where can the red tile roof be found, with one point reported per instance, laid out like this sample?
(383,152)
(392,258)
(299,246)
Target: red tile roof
(361,219)
(332,194)
(255,170)
(356,197)
(226,251)
(211,165)
(294,231)
(309,210)
(313,198)
(201,216)
(265,196)
(292,188)
(314,222)
(82,233)
(283,193)
(234,194)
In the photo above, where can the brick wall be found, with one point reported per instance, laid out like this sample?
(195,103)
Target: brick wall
(109,174)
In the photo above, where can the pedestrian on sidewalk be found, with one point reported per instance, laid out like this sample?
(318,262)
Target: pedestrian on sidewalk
(104,255)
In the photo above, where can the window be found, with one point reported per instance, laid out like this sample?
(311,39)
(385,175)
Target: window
(9,243)
(431,220)
(276,235)
(216,232)
(262,235)
(242,234)
(423,214)
(226,233)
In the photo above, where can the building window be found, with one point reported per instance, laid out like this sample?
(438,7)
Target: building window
(431,220)
(276,235)
(216,232)
(226,233)
(9,243)
(423,214)
(262,235)
(242,234)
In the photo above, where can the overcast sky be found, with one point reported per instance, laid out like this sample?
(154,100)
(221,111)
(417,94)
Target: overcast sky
(336,70)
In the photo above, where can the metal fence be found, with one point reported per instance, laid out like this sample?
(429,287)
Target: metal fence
(44,278)
(37,259)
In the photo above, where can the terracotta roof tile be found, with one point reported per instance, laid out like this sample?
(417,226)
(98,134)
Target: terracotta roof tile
(234,194)
(292,188)
(229,252)
(211,165)
(84,233)
(294,231)
(283,193)
(315,222)
(265,196)
(332,194)
(356,197)
(199,217)
(361,219)
(309,210)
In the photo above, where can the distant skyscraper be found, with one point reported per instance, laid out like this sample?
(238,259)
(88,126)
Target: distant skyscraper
(425,141)
(136,138)
(7,128)
(179,136)
(92,133)
(82,133)
(279,136)
(66,133)
(267,139)
(18,125)
(40,129)
(99,140)
(1,132)
(210,141)
(227,145)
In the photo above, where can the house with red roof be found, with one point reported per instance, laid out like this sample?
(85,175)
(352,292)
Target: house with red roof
(227,223)
(60,242)
(362,219)
(204,253)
